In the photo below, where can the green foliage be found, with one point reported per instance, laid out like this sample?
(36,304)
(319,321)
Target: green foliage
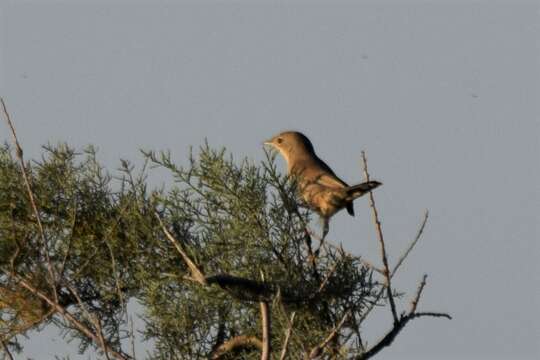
(90,231)
(241,219)
(234,219)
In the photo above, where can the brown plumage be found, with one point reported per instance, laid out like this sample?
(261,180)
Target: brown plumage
(319,186)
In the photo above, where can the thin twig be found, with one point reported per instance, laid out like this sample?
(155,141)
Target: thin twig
(92,318)
(327,277)
(6,350)
(316,351)
(70,241)
(413,243)
(19,153)
(287,337)
(116,278)
(195,271)
(387,339)
(329,244)
(381,242)
(394,271)
(132,338)
(416,299)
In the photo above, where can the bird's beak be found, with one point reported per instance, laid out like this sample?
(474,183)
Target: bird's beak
(269,142)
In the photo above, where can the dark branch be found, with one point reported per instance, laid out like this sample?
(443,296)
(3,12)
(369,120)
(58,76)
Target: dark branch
(387,339)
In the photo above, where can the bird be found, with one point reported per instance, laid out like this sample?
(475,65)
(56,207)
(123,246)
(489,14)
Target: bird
(318,186)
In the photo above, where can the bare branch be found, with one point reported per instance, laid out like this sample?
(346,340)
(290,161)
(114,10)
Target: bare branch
(416,299)
(412,245)
(116,278)
(195,271)
(92,318)
(431,314)
(287,337)
(19,153)
(132,338)
(387,339)
(400,261)
(316,351)
(381,241)
(265,323)
(6,350)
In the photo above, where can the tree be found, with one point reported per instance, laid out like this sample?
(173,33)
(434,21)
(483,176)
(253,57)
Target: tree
(224,261)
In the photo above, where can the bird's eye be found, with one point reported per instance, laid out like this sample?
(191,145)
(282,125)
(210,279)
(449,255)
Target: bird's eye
(279,140)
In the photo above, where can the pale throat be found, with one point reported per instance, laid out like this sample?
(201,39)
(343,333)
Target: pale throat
(286,155)
(292,157)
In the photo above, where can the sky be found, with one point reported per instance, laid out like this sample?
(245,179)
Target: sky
(442,95)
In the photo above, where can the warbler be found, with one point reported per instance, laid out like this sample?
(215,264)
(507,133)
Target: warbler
(320,188)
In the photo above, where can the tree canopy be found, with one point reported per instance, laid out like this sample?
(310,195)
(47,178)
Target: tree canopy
(224,260)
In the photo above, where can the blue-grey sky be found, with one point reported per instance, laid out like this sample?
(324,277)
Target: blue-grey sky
(443,96)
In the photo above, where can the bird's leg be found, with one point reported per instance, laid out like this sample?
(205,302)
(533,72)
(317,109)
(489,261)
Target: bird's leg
(325,228)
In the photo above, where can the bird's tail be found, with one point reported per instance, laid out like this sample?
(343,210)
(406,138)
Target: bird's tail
(356,191)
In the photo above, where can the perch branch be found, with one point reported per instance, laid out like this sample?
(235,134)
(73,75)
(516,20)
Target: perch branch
(378,227)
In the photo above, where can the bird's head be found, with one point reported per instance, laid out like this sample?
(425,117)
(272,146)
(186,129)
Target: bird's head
(291,145)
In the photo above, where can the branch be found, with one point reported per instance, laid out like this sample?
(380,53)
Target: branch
(387,339)
(391,335)
(237,342)
(381,241)
(6,350)
(19,153)
(238,287)
(197,274)
(93,319)
(416,299)
(68,316)
(400,261)
(287,337)
(412,245)
(265,323)
(316,351)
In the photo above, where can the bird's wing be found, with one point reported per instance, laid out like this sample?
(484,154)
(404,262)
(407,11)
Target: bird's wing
(330,180)
(327,176)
